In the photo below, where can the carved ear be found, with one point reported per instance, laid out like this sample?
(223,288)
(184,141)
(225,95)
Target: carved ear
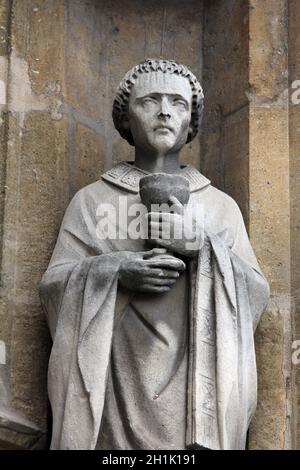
(126,124)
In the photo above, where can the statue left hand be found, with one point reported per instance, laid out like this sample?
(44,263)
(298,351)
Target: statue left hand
(177,231)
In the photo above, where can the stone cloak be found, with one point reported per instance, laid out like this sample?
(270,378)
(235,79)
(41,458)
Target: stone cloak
(80,295)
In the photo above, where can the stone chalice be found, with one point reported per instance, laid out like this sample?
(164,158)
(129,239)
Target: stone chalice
(158,188)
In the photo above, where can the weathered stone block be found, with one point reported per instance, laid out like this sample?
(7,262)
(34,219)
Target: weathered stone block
(90,149)
(4,26)
(18,433)
(95,29)
(235,156)
(211,154)
(294,135)
(46,45)
(268,48)
(225,47)
(29,352)
(268,426)
(87,78)
(34,209)
(19,26)
(120,150)
(269,193)
(191,153)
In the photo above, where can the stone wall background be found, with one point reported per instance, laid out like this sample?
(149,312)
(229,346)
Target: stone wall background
(250,151)
(60,63)
(294,138)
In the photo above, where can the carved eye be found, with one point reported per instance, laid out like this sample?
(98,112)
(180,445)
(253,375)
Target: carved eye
(180,103)
(149,100)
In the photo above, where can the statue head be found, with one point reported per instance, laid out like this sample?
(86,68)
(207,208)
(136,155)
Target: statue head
(158,102)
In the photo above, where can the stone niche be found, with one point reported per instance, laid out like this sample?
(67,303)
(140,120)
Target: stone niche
(60,63)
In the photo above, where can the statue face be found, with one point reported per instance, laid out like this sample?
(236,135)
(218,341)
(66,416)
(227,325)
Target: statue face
(160,111)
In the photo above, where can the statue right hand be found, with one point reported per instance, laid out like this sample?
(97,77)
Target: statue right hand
(154,271)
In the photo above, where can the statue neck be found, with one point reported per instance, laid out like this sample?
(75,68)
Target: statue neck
(157,162)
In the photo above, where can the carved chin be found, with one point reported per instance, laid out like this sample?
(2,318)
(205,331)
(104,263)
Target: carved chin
(163,140)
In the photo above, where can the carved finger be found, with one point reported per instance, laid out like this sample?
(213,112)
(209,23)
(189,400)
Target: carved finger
(177,207)
(153,252)
(154,289)
(154,281)
(162,273)
(161,241)
(168,263)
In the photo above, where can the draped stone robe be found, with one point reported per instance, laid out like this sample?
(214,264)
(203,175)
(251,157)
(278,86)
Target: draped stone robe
(85,307)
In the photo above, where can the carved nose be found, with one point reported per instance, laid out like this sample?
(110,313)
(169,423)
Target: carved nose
(164,111)
(164,114)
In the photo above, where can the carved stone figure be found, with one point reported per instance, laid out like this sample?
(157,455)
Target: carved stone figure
(153,335)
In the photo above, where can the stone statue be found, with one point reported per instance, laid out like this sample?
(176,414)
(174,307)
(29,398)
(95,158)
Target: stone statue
(153,335)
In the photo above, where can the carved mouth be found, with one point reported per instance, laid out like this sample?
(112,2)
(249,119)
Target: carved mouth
(163,128)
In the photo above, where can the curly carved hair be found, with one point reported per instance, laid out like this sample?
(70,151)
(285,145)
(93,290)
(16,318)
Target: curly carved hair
(120,104)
